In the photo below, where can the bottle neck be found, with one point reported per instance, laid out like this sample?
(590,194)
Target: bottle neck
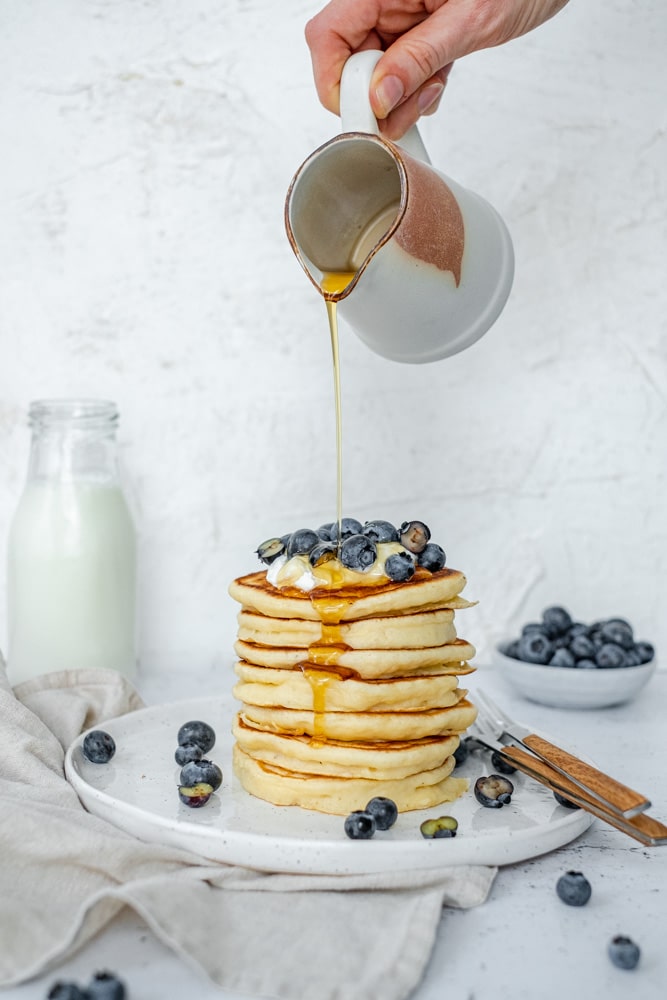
(73,440)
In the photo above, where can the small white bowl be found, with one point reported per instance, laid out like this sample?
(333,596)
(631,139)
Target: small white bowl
(568,687)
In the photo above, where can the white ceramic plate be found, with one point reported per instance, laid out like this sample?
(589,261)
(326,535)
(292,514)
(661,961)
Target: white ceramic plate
(137,791)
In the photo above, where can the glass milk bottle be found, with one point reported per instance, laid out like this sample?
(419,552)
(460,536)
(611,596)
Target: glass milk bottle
(71,580)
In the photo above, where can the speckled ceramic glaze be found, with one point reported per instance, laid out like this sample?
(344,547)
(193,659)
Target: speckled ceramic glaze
(431,263)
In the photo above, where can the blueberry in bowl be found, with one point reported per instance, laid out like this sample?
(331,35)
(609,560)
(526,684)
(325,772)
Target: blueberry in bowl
(567,663)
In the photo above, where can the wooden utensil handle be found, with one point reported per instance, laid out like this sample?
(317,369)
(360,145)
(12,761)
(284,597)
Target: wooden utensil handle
(624,798)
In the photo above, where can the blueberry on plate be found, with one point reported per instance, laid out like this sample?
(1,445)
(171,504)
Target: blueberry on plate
(618,631)
(623,952)
(493,791)
(358,552)
(383,810)
(399,566)
(511,649)
(63,990)
(533,627)
(270,550)
(301,542)
(646,652)
(610,655)
(201,771)
(501,765)
(197,732)
(195,796)
(581,647)
(534,647)
(414,536)
(461,753)
(187,752)
(360,825)
(439,829)
(562,801)
(586,664)
(325,531)
(380,531)
(577,628)
(556,621)
(98,747)
(348,526)
(574,889)
(432,557)
(106,986)
(321,553)
(562,658)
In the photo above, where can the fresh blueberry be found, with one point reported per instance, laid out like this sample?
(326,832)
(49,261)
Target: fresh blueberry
(442,827)
(187,752)
(98,747)
(195,796)
(493,791)
(646,652)
(321,553)
(432,557)
(462,752)
(63,990)
(360,825)
(197,732)
(511,649)
(586,665)
(623,952)
(556,621)
(562,658)
(573,888)
(358,552)
(610,655)
(562,801)
(596,638)
(501,764)
(632,657)
(301,542)
(106,986)
(561,641)
(384,811)
(201,771)
(270,550)
(399,566)
(380,531)
(577,628)
(325,531)
(534,647)
(348,526)
(581,647)
(618,631)
(533,627)
(414,536)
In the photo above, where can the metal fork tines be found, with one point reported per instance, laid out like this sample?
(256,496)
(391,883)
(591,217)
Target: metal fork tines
(600,787)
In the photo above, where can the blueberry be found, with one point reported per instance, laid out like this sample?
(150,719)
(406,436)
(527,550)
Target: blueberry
(198,771)
(534,647)
(610,655)
(384,811)
(414,536)
(533,627)
(556,621)
(195,796)
(500,764)
(562,801)
(461,753)
(380,531)
(187,752)
(301,542)
(618,631)
(106,986)
(360,825)
(325,532)
(573,888)
(62,990)
(511,649)
(632,657)
(321,553)
(399,566)
(623,952)
(577,628)
(348,526)
(270,550)
(561,641)
(358,552)
(493,791)
(432,557)
(98,747)
(586,665)
(581,647)
(197,732)
(562,658)
(646,652)
(443,826)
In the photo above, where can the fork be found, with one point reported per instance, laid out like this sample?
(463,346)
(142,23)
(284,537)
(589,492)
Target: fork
(596,785)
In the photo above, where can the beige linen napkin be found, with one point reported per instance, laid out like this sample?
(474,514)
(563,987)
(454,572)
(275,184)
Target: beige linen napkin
(64,874)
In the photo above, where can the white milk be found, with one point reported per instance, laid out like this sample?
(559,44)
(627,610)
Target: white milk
(71,580)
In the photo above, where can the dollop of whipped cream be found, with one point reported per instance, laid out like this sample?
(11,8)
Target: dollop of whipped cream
(332,575)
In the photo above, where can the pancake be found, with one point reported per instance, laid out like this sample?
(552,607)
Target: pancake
(366,663)
(408,631)
(340,795)
(425,590)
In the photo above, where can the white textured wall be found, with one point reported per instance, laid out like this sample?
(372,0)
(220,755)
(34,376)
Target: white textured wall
(145,151)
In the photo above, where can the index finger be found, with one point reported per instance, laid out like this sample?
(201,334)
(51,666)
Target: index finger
(340,28)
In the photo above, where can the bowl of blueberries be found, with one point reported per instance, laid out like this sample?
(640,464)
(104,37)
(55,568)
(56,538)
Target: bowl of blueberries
(565,663)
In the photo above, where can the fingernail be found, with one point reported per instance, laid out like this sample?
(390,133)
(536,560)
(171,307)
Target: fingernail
(389,92)
(429,96)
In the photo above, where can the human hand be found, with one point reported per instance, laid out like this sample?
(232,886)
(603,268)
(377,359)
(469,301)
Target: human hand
(420,38)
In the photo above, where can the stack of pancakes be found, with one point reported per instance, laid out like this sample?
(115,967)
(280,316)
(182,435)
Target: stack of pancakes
(351,692)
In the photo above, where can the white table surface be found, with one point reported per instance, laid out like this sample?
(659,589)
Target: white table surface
(523,943)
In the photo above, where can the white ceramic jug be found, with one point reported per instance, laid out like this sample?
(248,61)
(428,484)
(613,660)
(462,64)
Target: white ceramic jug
(431,264)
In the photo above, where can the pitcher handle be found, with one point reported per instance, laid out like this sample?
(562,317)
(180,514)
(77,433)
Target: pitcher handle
(355,108)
